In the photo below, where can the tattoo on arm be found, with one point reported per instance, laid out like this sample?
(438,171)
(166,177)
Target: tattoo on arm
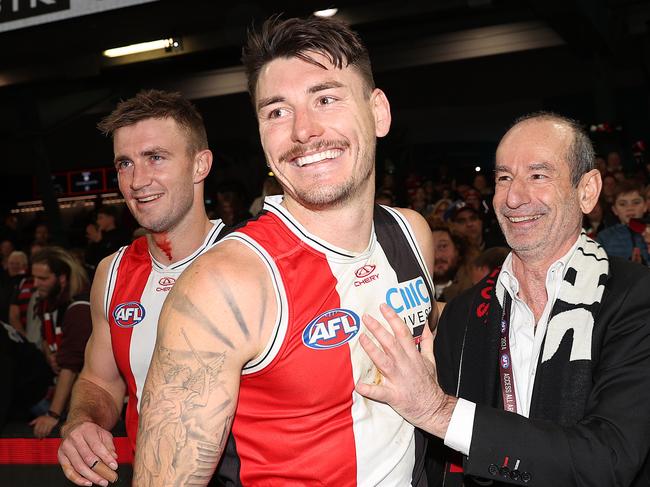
(178,443)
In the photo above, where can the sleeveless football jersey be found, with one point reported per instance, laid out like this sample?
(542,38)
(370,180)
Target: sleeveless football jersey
(299,420)
(136,288)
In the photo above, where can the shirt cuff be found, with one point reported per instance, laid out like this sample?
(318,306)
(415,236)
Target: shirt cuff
(459,431)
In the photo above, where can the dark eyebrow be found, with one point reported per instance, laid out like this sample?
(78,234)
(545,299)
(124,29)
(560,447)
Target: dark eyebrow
(269,101)
(501,168)
(327,85)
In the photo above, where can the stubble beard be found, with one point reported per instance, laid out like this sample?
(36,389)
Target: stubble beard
(326,196)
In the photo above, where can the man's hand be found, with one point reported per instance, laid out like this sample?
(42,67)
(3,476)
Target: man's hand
(83,444)
(409,383)
(43,425)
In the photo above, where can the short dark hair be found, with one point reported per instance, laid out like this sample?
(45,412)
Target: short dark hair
(580,154)
(298,38)
(628,186)
(159,104)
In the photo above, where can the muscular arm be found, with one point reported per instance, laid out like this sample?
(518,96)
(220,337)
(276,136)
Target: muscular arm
(212,323)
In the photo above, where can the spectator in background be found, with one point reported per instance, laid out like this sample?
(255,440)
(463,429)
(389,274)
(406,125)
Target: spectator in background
(41,234)
(269,188)
(6,248)
(594,221)
(483,186)
(16,270)
(489,260)
(94,253)
(112,237)
(614,162)
(62,287)
(451,275)
(436,216)
(622,239)
(466,221)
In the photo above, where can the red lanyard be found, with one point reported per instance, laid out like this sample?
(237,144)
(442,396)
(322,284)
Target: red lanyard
(505,360)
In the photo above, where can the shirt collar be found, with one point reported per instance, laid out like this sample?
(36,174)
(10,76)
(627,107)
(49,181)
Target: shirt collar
(509,281)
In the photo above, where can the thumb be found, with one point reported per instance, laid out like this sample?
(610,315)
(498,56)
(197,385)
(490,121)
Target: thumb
(426,343)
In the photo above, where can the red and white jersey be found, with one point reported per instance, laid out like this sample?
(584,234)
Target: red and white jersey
(299,420)
(136,288)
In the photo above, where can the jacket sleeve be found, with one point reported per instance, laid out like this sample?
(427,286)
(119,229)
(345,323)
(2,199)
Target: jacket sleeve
(610,444)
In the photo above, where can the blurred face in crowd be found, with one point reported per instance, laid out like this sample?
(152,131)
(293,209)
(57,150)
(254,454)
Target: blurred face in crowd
(41,234)
(473,199)
(614,161)
(16,264)
(609,187)
(318,129)
(156,172)
(46,282)
(446,257)
(629,205)
(538,208)
(105,222)
(93,234)
(468,224)
(6,248)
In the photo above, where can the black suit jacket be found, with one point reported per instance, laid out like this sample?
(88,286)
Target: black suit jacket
(608,443)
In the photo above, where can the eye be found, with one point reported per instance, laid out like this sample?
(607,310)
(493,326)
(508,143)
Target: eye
(277,113)
(123,164)
(326,100)
(538,176)
(502,177)
(156,157)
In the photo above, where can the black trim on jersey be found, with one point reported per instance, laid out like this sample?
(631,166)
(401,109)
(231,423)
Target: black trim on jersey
(289,219)
(393,240)
(262,256)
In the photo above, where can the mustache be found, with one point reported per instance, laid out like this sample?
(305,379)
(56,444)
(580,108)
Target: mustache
(299,150)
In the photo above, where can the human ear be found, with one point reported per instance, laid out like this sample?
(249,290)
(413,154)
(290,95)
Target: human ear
(202,165)
(589,190)
(381,112)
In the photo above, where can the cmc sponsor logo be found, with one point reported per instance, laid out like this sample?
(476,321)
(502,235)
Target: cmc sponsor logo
(331,329)
(365,275)
(408,295)
(127,315)
(165,283)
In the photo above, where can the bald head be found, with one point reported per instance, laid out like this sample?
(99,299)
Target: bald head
(578,149)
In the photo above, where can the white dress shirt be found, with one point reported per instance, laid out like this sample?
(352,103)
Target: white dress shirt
(525,347)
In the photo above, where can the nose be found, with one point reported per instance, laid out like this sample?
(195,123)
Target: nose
(141,176)
(517,193)
(305,126)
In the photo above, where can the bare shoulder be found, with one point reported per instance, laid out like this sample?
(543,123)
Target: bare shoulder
(419,225)
(225,295)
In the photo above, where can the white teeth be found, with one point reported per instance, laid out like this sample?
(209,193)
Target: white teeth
(517,219)
(320,156)
(149,198)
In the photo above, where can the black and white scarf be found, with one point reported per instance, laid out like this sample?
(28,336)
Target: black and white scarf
(563,378)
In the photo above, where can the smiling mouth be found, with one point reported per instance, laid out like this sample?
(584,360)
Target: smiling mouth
(147,199)
(519,219)
(317,157)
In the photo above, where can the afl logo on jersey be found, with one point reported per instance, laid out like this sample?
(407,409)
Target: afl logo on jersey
(331,329)
(127,315)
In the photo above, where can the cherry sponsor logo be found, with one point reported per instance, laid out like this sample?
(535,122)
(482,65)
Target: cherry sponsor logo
(365,275)
(165,284)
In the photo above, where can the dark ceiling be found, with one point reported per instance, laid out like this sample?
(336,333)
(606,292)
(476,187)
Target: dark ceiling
(456,72)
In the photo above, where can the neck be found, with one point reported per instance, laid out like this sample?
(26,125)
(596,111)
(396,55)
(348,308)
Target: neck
(181,241)
(347,226)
